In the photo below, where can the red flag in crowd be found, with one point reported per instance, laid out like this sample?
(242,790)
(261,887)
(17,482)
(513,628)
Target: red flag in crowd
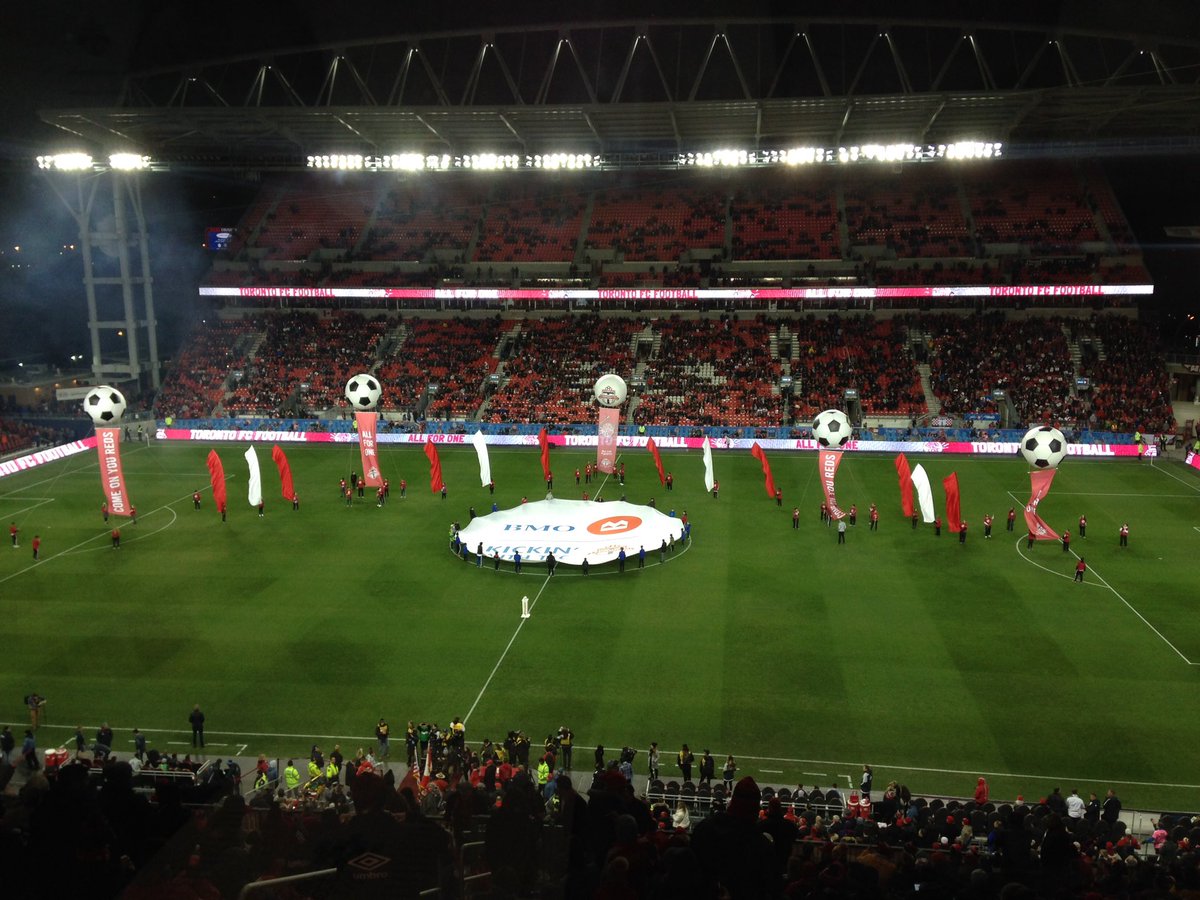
(285,473)
(435,467)
(544,443)
(768,481)
(653,448)
(953,509)
(906,485)
(216,475)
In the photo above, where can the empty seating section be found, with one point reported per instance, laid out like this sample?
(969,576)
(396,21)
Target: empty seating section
(455,354)
(1044,208)
(528,223)
(649,222)
(785,222)
(712,372)
(423,215)
(305,220)
(301,348)
(1130,388)
(196,383)
(913,214)
(836,353)
(1001,223)
(553,366)
(970,356)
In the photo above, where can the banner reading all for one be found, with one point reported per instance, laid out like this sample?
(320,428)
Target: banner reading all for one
(368,447)
(112,479)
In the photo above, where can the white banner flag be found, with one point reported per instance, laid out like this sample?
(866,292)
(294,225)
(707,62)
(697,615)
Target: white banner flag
(255,490)
(708,470)
(485,464)
(920,483)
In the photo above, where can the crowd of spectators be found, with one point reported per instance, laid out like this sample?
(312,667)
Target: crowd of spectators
(838,352)
(17,435)
(301,348)
(552,366)
(196,383)
(456,354)
(554,819)
(420,215)
(912,215)
(712,372)
(656,223)
(523,224)
(794,222)
(1130,388)
(970,356)
(1045,208)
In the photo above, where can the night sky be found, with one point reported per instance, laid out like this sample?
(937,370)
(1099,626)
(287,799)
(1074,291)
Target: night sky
(59,55)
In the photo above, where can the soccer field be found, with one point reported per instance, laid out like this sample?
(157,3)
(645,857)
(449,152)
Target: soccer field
(932,661)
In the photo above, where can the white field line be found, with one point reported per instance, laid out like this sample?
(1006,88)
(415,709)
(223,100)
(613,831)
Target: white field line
(511,640)
(1114,591)
(1182,481)
(85,542)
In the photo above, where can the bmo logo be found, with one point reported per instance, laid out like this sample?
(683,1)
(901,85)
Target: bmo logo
(614,525)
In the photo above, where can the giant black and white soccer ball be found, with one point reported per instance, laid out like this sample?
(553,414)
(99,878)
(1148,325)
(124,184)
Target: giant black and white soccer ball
(1043,447)
(832,429)
(611,390)
(363,391)
(104,404)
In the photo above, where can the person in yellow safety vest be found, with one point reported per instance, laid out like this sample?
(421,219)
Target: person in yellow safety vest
(314,771)
(291,777)
(261,782)
(543,772)
(331,773)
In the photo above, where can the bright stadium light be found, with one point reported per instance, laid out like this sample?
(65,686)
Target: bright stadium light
(127,162)
(561,161)
(65,162)
(344,161)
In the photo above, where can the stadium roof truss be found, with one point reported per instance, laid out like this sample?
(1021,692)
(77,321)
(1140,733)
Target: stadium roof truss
(658,87)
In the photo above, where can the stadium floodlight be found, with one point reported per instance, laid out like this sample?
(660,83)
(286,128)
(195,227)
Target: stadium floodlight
(561,161)
(345,161)
(802,156)
(491,161)
(128,162)
(65,162)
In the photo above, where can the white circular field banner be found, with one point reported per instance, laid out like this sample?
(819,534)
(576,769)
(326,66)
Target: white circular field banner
(573,530)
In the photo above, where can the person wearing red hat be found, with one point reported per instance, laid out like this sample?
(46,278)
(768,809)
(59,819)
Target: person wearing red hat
(981,791)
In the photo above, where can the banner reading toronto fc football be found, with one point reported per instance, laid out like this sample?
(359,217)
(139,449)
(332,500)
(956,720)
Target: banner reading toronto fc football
(1039,486)
(608,423)
(827,466)
(112,478)
(368,447)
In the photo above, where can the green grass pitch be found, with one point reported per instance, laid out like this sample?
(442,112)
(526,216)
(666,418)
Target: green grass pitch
(932,661)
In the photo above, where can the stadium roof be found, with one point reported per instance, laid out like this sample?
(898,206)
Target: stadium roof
(628,87)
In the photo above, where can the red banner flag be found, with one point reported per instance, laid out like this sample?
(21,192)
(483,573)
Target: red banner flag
(828,462)
(368,447)
(653,448)
(768,482)
(112,478)
(906,485)
(435,467)
(1039,486)
(285,473)
(216,476)
(953,509)
(608,425)
(544,443)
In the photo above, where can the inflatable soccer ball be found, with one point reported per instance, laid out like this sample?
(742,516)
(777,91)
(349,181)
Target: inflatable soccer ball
(363,391)
(104,404)
(832,428)
(611,390)
(1043,447)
